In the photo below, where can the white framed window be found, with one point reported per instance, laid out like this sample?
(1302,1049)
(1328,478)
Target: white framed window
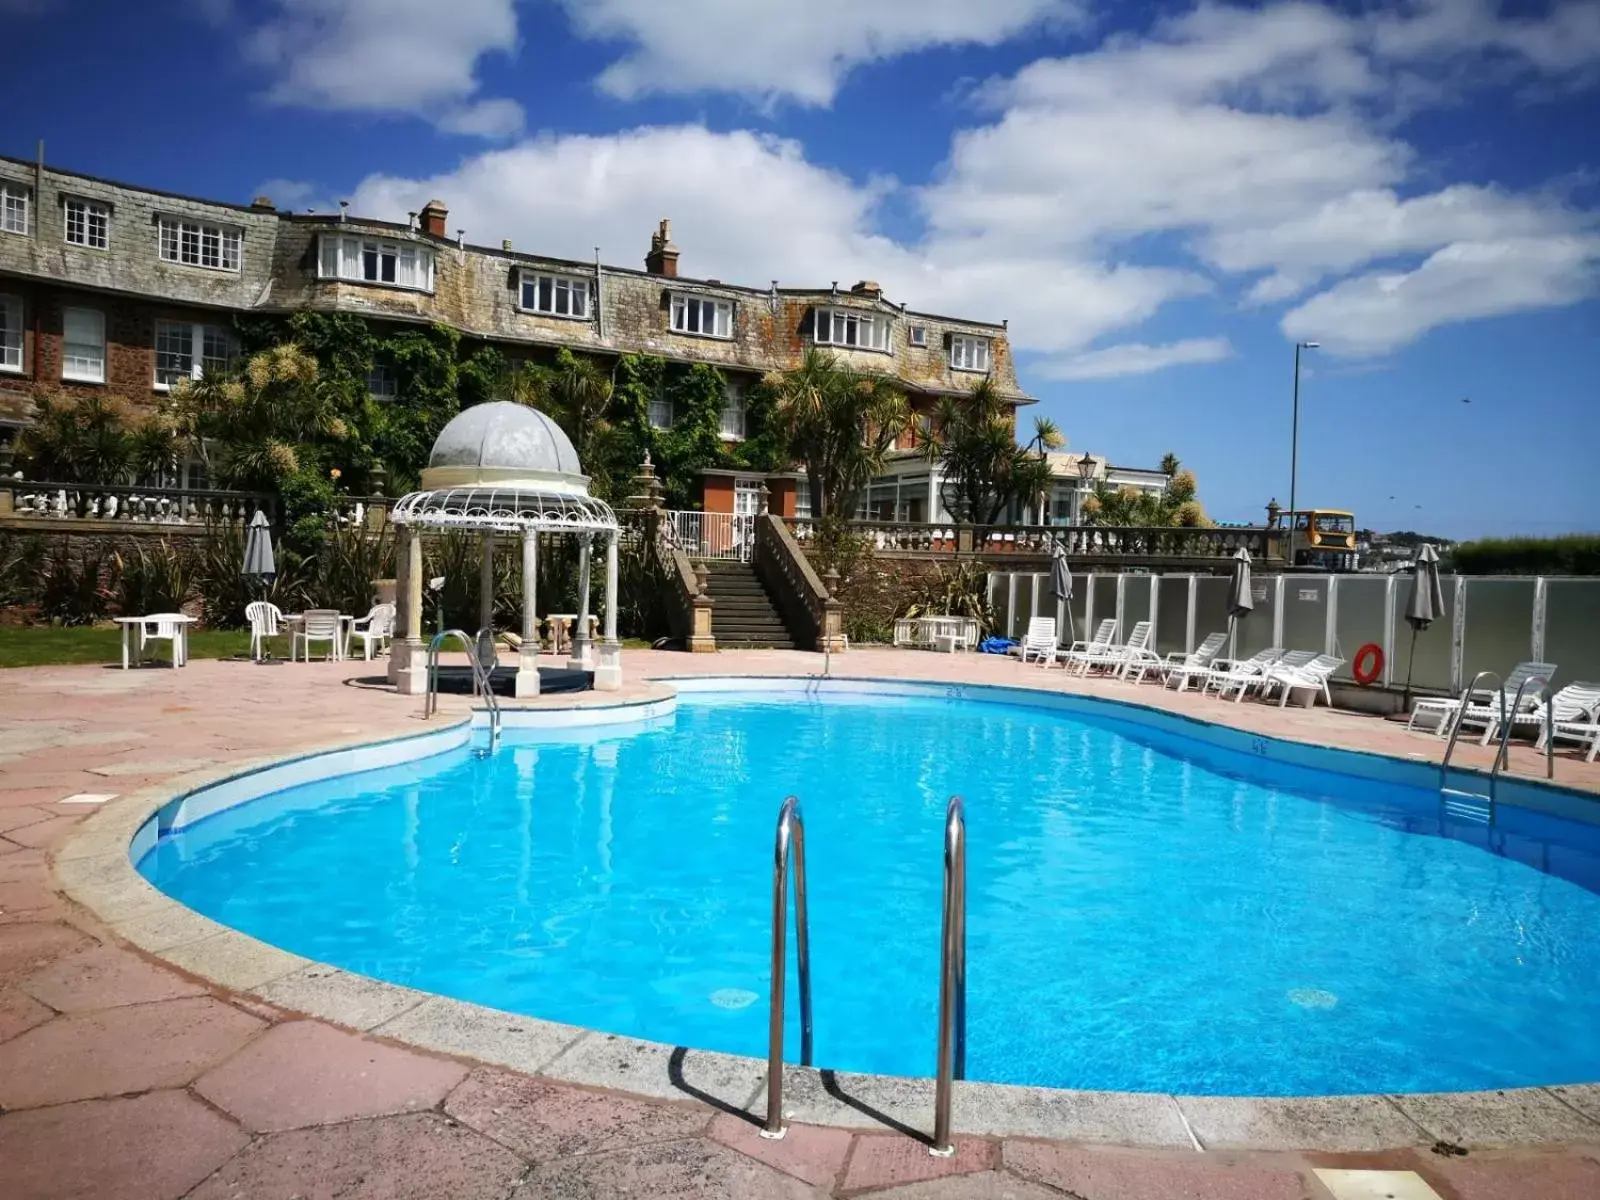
(659,413)
(851,328)
(187,350)
(802,498)
(85,223)
(10,333)
(969,353)
(201,244)
(83,345)
(733,413)
(555,295)
(701,315)
(917,335)
(16,208)
(368,260)
(383,384)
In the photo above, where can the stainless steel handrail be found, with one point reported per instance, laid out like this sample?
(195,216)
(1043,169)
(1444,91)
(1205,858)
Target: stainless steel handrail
(791,835)
(480,680)
(952,1060)
(1502,756)
(1455,729)
(483,677)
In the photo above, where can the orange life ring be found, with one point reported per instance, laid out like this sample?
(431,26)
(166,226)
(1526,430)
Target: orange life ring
(1368,675)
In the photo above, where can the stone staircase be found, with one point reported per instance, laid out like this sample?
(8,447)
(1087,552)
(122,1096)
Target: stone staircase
(742,612)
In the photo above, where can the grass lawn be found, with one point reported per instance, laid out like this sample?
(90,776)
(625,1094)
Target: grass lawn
(45,645)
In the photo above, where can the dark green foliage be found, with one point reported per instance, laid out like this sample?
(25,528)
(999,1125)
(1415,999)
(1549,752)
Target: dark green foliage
(21,565)
(73,588)
(152,579)
(223,589)
(1570,554)
(345,567)
(961,590)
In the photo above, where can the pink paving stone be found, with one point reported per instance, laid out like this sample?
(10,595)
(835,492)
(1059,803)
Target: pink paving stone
(423,1156)
(120,1050)
(151,1147)
(16,818)
(105,977)
(26,947)
(813,1153)
(884,1159)
(1545,1177)
(307,1073)
(22,863)
(688,1170)
(19,1012)
(546,1120)
(27,896)
(1114,1175)
(44,833)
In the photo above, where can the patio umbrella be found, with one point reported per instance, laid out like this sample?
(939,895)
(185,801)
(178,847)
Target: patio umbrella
(1061,583)
(1425,603)
(1240,601)
(259,566)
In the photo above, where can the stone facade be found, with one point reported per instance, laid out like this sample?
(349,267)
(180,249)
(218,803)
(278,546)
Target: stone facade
(475,289)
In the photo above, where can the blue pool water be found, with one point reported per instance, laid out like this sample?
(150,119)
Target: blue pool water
(1146,911)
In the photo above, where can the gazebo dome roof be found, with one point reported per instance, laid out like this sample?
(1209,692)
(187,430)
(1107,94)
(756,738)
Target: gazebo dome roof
(503,437)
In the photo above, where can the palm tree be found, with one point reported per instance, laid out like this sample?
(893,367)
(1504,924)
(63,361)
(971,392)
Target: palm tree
(839,422)
(580,392)
(985,471)
(77,441)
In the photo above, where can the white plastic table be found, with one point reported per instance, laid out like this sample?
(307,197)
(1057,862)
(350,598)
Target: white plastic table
(341,647)
(132,651)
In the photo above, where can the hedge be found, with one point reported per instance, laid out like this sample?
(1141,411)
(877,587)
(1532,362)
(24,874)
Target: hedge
(1571,554)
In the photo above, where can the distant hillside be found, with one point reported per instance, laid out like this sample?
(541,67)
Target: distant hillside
(1405,537)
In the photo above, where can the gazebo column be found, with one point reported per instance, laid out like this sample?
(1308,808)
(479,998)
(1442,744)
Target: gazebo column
(486,582)
(408,665)
(582,646)
(608,674)
(528,653)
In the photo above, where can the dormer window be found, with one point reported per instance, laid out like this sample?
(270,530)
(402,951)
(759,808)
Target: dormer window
(16,205)
(555,295)
(200,244)
(851,328)
(703,316)
(368,260)
(969,353)
(917,335)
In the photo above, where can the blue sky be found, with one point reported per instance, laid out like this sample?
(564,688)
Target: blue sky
(1160,199)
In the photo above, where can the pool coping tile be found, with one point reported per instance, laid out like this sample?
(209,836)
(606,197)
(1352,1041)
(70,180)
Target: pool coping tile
(92,866)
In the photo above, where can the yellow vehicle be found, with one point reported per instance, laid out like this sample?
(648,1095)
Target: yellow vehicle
(1323,539)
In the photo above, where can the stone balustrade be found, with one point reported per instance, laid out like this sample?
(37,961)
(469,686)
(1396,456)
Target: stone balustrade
(125,504)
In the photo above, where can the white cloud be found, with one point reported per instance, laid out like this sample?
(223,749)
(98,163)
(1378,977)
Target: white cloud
(1136,358)
(390,56)
(1382,311)
(294,195)
(771,49)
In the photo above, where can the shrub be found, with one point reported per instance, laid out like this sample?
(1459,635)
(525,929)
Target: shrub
(75,589)
(21,564)
(1572,554)
(346,566)
(153,580)
(222,588)
(864,630)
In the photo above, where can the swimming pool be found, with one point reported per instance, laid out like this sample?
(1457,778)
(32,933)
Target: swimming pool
(1149,910)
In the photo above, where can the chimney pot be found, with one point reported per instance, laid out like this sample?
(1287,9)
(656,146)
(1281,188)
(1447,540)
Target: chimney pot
(262,203)
(663,256)
(505,244)
(434,218)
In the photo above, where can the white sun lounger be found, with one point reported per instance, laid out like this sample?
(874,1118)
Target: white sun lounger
(1194,665)
(1313,675)
(1098,644)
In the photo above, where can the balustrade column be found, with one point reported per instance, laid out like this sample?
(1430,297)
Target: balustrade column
(608,672)
(408,667)
(527,683)
(582,645)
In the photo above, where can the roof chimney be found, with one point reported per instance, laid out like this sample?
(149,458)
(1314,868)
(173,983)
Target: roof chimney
(868,287)
(663,256)
(262,204)
(434,215)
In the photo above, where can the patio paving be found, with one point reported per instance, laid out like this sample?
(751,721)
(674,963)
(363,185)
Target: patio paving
(122,1076)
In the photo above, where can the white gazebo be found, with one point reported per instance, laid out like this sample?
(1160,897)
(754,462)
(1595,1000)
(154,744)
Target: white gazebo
(503,468)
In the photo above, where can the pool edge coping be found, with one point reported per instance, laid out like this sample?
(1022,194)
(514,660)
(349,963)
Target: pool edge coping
(94,867)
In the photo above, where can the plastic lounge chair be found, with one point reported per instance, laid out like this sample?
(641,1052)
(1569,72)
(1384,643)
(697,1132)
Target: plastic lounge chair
(318,625)
(264,618)
(1314,675)
(1195,664)
(1243,676)
(1085,648)
(1575,704)
(1446,707)
(1115,658)
(1040,640)
(167,627)
(374,629)
(1576,716)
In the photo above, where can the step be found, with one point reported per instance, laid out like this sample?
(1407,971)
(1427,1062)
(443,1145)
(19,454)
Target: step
(1469,806)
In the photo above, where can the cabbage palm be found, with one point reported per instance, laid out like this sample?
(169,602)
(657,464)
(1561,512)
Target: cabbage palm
(985,471)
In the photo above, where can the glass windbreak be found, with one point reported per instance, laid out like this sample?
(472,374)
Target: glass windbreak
(1305,612)
(1021,603)
(1256,630)
(1000,601)
(1430,669)
(1210,606)
(1135,602)
(1499,630)
(1172,615)
(1571,632)
(1362,611)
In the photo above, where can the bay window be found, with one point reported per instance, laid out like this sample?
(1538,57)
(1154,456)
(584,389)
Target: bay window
(851,329)
(969,353)
(200,244)
(368,260)
(83,345)
(555,295)
(185,350)
(706,317)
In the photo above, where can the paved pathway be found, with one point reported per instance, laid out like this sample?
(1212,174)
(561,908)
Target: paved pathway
(122,1077)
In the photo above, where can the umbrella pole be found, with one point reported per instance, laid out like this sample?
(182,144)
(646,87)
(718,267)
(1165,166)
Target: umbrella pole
(1411,660)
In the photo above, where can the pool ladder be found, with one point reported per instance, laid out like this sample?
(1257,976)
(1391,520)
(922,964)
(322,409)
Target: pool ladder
(790,842)
(1480,806)
(481,684)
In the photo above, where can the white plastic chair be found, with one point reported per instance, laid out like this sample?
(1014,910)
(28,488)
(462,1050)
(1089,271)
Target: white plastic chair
(1576,716)
(168,627)
(1040,640)
(1483,707)
(374,629)
(1197,663)
(318,625)
(263,617)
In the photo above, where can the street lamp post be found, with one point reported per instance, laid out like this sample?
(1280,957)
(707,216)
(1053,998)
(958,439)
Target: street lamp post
(1085,478)
(1294,434)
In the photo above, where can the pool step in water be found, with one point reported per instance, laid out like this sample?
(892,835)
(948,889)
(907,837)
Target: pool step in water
(1469,806)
